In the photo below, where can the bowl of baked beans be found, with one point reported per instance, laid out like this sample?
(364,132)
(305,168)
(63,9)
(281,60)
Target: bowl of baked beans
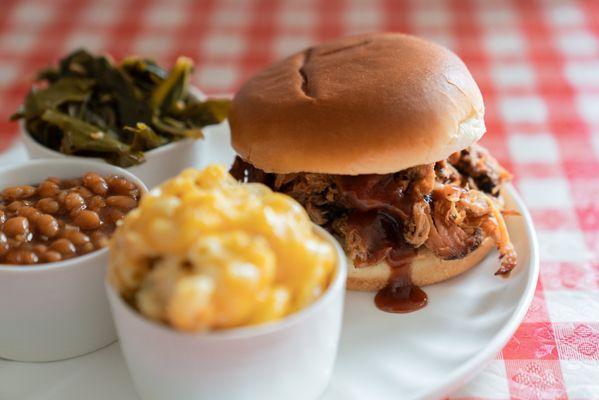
(56,219)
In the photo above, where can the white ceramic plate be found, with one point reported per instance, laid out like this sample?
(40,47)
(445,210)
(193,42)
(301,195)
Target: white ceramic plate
(426,354)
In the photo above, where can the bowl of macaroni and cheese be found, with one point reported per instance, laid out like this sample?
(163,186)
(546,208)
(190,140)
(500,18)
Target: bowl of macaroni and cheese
(225,290)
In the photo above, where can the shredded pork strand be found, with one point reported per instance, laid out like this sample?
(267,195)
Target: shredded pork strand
(496,228)
(449,207)
(417,228)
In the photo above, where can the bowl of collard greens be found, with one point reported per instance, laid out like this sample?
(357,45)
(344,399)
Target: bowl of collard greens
(133,114)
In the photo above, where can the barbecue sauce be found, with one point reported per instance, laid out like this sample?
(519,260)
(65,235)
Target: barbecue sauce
(400,295)
(383,235)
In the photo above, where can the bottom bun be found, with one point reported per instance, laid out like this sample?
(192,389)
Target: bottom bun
(425,269)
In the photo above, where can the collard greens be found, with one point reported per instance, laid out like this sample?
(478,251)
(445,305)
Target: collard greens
(89,106)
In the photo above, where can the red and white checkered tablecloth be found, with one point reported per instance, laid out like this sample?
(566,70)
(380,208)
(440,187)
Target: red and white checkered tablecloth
(536,62)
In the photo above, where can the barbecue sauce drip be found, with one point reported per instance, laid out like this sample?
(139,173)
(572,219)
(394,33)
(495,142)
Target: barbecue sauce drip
(400,295)
(400,299)
(383,234)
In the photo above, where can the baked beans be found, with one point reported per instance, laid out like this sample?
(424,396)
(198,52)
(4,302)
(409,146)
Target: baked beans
(62,218)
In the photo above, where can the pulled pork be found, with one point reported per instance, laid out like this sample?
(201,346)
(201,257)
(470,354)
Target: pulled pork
(448,207)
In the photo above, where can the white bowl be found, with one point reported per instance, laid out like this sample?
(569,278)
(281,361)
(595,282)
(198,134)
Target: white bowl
(56,310)
(161,163)
(288,359)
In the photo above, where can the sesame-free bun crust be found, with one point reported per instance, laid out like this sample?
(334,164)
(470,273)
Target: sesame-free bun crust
(425,269)
(375,103)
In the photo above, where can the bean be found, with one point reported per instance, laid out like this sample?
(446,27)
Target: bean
(73,201)
(83,191)
(113,215)
(64,247)
(3,244)
(75,212)
(96,203)
(120,185)
(69,227)
(27,191)
(123,202)
(47,225)
(15,206)
(29,257)
(48,188)
(61,196)
(40,249)
(18,256)
(2,216)
(99,239)
(51,256)
(87,247)
(87,219)
(95,183)
(77,238)
(16,226)
(48,205)
(18,192)
(32,214)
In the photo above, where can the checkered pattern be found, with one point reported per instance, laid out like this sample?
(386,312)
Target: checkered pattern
(537,64)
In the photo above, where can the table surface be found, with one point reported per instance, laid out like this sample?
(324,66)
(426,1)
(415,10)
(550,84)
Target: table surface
(537,63)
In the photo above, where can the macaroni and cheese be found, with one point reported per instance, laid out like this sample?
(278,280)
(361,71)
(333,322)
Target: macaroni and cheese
(203,251)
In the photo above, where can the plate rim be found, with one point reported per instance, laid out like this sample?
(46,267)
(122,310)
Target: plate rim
(468,370)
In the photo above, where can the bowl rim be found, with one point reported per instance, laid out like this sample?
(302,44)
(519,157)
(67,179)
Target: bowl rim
(50,162)
(336,286)
(28,139)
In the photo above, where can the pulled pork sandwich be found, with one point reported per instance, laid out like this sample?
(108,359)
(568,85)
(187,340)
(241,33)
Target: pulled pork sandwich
(375,135)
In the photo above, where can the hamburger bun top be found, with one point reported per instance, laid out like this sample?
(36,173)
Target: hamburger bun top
(375,103)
